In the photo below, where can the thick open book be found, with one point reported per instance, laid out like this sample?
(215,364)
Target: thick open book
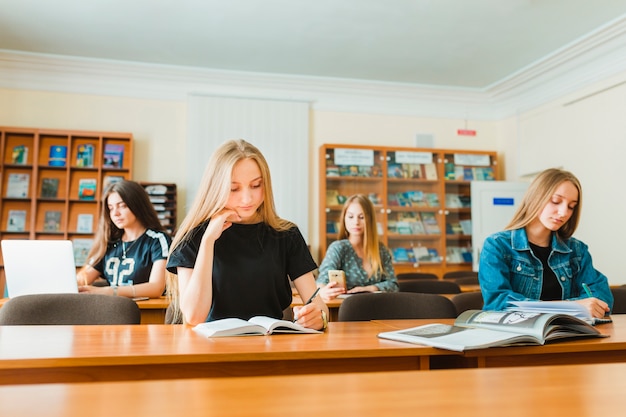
(559,307)
(476,329)
(256,326)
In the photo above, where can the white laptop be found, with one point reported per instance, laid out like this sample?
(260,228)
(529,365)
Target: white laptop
(39,267)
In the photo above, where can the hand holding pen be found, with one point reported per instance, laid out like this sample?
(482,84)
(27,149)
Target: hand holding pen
(306,311)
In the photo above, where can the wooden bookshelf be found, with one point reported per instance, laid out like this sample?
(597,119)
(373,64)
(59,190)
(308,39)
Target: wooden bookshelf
(163,198)
(52,194)
(421,196)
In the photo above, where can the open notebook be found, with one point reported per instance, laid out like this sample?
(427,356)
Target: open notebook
(39,267)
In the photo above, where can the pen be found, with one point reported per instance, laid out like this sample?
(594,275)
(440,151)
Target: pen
(313,296)
(295,318)
(587,290)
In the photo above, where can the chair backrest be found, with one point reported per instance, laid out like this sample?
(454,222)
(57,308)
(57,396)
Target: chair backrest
(415,275)
(619,300)
(430,286)
(395,305)
(468,301)
(69,309)
(465,280)
(460,274)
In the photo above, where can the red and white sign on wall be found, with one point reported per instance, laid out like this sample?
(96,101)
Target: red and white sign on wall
(466,132)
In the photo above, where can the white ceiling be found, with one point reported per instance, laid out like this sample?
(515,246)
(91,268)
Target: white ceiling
(456,43)
(476,58)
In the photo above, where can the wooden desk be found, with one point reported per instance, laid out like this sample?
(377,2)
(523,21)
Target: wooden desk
(573,391)
(41,354)
(152,311)
(606,350)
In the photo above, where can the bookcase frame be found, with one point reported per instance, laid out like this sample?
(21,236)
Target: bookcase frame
(386,173)
(39,142)
(167,214)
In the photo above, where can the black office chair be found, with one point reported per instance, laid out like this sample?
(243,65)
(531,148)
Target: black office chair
(466,280)
(430,286)
(619,300)
(395,305)
(468,301)
(460,274)
(407,276)
(69,309)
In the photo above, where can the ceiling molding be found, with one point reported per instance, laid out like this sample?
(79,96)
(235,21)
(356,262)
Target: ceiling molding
(592,59)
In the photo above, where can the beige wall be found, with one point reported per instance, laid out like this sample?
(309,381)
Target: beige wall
(587,137)
(158,127)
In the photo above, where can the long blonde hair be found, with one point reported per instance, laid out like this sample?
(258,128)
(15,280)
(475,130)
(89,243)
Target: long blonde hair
(539,194)
(213,194)
(371,243)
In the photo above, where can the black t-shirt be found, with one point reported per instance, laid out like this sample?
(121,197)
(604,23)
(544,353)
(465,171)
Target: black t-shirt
(252,266)
(132,261)
(550,288)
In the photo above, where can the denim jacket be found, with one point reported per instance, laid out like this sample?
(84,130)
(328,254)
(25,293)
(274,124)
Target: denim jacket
(509,271)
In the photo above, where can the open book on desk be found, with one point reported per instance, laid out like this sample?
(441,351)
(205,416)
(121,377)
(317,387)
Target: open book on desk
(256,326)
(559,307)
(477,329)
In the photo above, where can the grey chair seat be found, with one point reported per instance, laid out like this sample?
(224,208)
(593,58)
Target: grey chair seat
(395,305)
(69,309)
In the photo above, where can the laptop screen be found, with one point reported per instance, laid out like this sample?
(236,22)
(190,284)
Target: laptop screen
(39,267)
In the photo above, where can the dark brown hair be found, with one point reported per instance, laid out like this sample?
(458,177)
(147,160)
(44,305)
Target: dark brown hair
(138,202)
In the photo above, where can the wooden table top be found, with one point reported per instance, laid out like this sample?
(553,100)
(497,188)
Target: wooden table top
(573,391)
(73,353)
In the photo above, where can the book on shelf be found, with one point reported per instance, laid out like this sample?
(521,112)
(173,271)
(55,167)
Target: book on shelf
(476,329)
(417,227)
(332,197)
(432,199)
(466,226)
(571,308)
(113,156)
(332,171)
(18,185)
(20,155)
(87,188)
(52,221)
(16,221)
(421,254)
(57,156)
(453,201)
(164,214)
(110,179)
(157,199)
(400,254)
(331,227)
(49,187)
(403,227)
(414,198)
(256,326)
(459,172)
(156,189)
(430,223)
(430,171)
(84,223)
(449,171)
(84,155)
(395,171)
(81,250)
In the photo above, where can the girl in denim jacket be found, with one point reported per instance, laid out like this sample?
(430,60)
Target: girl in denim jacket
(536,257)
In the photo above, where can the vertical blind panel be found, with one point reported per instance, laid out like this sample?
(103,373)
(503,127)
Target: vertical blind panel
(280,129)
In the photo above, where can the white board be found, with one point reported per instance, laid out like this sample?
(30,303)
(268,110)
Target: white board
(493,206)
